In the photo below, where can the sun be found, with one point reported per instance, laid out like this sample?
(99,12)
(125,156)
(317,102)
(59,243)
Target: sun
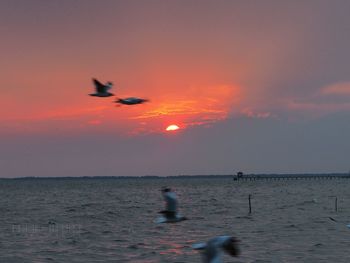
(172,127)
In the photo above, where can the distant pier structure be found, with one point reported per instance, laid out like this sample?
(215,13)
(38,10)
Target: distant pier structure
(253,177)
(238,176)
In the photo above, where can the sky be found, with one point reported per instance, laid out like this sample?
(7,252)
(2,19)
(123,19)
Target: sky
(255,86)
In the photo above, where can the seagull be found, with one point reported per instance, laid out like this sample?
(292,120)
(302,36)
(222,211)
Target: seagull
(102,89)
(131,101)
(170,214)
(212,250)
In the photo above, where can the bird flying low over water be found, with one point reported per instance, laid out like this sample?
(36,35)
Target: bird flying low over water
(102,89)
(131,101)
(212,250)
(170,214)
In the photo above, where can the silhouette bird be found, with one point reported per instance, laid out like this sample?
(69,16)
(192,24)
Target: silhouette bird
(130,101)
(102,89)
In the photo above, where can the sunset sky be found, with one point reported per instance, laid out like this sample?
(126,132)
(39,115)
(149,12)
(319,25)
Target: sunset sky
(257,86)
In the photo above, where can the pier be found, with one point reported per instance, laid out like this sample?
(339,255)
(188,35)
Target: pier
(253,177)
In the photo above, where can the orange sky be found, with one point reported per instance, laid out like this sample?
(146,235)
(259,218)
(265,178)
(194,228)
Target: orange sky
(195,67)
(198,69)
(202,66)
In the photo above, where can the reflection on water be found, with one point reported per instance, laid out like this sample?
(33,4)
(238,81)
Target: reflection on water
(110,220)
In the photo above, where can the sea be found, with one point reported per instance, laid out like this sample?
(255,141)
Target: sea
(113,220)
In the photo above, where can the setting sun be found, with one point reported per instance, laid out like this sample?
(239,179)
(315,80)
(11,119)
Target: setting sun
(172,127)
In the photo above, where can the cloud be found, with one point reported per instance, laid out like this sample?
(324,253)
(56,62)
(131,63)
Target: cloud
(316,106)
(248,112)
(340,88)
(180,107)
(94,122)
(196,105)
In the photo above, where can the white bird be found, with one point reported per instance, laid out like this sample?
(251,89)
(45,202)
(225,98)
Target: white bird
(211,251)
(170,214)
(102,89)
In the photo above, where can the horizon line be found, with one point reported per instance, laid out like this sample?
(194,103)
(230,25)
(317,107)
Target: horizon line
(173,176)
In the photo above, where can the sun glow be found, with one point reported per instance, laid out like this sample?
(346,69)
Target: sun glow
(172,127)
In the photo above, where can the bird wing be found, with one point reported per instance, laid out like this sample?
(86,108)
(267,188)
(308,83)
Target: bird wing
(99,86)
(199,246)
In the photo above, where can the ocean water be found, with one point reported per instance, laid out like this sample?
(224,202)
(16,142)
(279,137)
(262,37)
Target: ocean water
(113,220)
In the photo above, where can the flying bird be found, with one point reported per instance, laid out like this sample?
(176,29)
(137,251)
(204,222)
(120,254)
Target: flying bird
(170,214)
(102,89)
(212,250)
(131,101)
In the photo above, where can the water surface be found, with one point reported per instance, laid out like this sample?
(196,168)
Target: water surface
(112,220)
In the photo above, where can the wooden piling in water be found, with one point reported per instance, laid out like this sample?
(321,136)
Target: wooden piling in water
(250,205)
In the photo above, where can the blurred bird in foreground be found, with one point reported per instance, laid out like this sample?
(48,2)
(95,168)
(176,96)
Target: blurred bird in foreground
(211,251)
